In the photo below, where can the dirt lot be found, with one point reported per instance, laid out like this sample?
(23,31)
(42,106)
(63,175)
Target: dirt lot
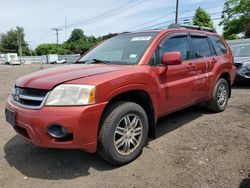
(194,148)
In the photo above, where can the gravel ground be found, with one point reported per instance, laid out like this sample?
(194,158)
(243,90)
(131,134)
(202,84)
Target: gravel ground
(194,148)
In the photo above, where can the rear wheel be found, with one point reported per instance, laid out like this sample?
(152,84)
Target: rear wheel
(123,133)
(219,101)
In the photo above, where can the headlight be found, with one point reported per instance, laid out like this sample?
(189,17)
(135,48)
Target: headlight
(71,94)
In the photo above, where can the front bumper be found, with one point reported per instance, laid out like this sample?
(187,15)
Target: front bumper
(81,121)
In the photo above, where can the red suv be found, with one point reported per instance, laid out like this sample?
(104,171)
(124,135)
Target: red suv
(110,101)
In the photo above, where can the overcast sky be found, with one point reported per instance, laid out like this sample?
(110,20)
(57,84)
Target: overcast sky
(95,17)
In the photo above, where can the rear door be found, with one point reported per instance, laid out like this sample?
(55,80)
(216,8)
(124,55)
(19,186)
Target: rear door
(202,54)
(178,82)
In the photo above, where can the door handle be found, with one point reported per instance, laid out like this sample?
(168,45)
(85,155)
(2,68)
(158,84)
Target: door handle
(190,66)
(214,60)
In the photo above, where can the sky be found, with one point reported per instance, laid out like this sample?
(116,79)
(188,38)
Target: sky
(96,17)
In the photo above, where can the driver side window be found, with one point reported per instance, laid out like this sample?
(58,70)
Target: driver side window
(176,44)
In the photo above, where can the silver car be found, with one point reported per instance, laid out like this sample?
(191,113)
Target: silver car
(241,53)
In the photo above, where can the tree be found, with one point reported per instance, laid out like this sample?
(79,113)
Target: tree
(80,43)
(77,43)
(1,49)
(110,35)
(202,18)
(44,49)
(236,18)
(76,36)
(10,41)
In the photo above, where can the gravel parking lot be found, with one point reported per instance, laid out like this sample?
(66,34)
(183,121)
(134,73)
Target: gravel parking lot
(194,148)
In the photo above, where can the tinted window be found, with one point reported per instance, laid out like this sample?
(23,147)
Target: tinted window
(201,47)
(176,44)
(219,46)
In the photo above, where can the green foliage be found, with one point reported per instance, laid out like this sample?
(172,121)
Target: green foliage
(1,50)
(236,18)
(77,35)
(44,49)
(202,18)
(9,41)
(110,35)
(80,43)
(77,43)
(233,37)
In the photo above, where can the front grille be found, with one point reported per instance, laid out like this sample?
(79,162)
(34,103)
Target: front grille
(238,65)
(28,98)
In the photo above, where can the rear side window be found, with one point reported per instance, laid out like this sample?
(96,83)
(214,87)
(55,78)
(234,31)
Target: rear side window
(176,44)
(201,47)
(219,46)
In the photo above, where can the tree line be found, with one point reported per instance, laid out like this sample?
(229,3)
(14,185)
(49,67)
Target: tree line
(235,20)
(77,43)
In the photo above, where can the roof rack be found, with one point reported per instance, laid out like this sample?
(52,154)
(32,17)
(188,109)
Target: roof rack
(179,26)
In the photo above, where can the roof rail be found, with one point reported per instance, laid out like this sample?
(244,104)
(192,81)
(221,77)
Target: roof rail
(179,26)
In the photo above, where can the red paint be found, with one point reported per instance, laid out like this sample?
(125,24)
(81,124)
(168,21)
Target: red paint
(171,58)
(170,88)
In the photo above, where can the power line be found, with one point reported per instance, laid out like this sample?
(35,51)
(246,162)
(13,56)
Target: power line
(155,19)
(99,17)
(106,14)
(206,8)
(118,10)
(170,21)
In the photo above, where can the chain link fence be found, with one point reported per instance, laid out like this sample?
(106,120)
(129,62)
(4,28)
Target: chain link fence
(42,59)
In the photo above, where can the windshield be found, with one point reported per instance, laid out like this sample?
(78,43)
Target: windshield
(241,50)
(123,49)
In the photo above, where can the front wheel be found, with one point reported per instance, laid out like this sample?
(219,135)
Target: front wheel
(123,133)
(219,101)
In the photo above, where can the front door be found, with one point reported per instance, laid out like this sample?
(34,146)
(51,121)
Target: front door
(178,82)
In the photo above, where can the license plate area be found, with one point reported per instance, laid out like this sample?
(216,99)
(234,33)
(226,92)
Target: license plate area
(10,116)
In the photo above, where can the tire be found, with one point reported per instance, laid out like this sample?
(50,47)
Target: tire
(114,144)
(219,101)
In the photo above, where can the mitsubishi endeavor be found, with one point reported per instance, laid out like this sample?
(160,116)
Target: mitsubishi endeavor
(110,100)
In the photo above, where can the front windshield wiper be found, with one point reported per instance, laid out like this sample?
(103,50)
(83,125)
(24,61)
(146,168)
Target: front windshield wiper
(92,61)
(99,61)
(80,62)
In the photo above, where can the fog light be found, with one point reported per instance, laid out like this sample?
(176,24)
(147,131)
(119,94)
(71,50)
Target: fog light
(57,131)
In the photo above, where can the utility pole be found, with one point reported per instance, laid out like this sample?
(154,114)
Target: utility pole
(65,29)
(176,12)
(57,33)
(19,43)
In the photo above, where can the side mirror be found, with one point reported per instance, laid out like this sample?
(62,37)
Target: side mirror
(171,58)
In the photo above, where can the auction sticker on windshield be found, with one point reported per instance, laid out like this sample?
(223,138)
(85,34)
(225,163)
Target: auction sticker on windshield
(141,38)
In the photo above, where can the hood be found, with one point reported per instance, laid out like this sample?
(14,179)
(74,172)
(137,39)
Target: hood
(241,59)
(49,78)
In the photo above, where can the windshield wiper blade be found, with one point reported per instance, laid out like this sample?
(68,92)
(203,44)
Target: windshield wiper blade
(99,61)
(80,62)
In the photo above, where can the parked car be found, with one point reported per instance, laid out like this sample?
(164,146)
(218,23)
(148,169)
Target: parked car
(241,52)
(12,59)
(15,62)
(61,61)
(51,58)
(110,101)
